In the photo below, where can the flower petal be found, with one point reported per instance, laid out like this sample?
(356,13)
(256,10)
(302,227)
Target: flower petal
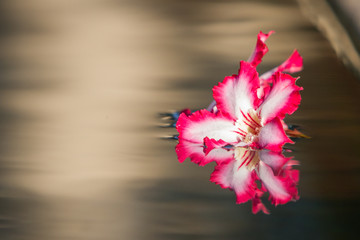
(293,64)
(203,124)
(272,136)
(276,186)
(240,179)
(264,89)
(257,205)
(238,93)
(260,49)
(281,186)
(283,98)
(195,151)
(211,144)
(275,160)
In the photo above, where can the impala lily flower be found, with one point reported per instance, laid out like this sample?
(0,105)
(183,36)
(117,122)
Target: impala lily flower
(243,131)
(242,118)
(293,64)
(271,169)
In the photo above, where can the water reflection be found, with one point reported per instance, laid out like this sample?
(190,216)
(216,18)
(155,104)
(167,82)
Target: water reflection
(248,172)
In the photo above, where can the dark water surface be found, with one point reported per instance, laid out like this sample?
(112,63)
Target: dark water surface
(81,83)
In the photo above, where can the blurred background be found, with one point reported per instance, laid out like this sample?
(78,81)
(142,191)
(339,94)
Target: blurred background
(81,154)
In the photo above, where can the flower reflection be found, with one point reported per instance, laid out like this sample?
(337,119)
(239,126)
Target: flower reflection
(271,170)
(248,172)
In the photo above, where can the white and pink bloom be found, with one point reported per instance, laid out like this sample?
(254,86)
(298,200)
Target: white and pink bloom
(243,131)
(242,118)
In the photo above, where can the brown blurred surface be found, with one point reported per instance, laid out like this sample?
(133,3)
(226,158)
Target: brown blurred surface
(338,21)
(81,83)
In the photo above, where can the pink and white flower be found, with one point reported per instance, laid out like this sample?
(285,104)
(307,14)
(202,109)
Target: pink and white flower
(242,118)
(243,131)
(271,170)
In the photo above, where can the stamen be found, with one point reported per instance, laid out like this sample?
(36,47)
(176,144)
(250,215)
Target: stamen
(244,115)
(247,157)
(254,161)
(253,120)
(241,132)
(239,151)
(245,160)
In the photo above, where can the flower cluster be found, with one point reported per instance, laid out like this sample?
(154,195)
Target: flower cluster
(243,131)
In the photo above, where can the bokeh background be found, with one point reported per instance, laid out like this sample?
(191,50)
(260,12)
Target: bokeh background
(81,154)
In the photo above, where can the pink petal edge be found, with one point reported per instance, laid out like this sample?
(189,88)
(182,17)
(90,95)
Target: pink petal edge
(293,64)
(260,49)
(257,205)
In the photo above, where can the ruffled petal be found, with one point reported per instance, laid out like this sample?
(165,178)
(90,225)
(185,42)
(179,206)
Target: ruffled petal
(239,179)
(272,136)
(257,205)
(260,50)
(293,64)
(283,98)
(211,144)
(276,186)
(195,151)
(203,124)
(290,177)
(238,93)
(275,160)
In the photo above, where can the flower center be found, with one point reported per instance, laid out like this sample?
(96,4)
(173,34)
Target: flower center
(247,157)
(249,126)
